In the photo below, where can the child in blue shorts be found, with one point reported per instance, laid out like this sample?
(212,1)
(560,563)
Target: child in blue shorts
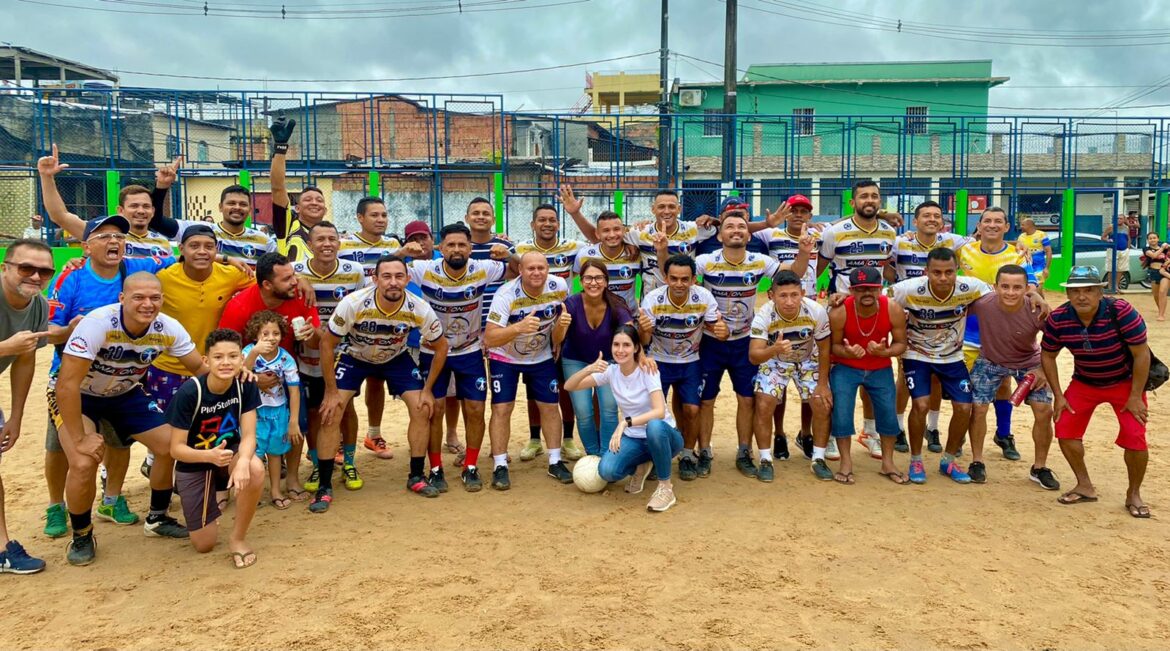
(276,433)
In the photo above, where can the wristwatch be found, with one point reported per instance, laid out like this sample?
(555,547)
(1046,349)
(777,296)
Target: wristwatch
(629,422)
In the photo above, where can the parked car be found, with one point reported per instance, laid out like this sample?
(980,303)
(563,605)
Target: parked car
(1090,249)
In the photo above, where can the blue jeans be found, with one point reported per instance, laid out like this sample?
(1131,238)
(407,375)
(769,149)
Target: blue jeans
(878,384)
(661,445)
(594,438)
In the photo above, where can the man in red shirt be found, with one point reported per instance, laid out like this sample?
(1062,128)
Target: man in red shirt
(276,290)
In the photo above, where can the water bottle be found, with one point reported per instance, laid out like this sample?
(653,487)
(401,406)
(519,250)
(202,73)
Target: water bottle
(1023,389)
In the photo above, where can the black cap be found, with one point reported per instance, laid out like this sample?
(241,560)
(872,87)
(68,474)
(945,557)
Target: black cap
(865,277)
(195,230)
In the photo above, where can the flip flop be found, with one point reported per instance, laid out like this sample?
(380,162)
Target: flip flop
(297,494)
(897,477)
(240,560)
(1136,511)
(281,503)
(1073,497)
(844,478)
(455,448)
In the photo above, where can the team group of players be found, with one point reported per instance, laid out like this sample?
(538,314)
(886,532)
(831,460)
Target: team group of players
(448,329)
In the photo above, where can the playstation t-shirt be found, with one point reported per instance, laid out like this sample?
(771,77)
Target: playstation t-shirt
(218,417)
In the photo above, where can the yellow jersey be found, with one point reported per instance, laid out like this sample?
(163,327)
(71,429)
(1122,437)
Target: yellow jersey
(197,305)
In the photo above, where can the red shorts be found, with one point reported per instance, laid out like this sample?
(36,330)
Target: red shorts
(1083,399)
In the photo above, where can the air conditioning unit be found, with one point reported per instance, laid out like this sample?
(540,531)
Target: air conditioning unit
(690,97)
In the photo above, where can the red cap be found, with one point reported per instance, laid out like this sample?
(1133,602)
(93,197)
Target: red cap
(417,227)
(800,200)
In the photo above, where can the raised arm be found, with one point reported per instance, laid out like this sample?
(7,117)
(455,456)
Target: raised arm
(164,178)
(281,131)
(48,167)
(573,207)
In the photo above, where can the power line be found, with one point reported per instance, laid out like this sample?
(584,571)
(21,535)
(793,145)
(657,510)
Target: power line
(160,9)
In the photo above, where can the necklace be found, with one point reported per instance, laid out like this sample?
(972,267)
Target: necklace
(857,322)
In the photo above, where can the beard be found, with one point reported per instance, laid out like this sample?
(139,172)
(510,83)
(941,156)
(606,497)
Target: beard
(456,262)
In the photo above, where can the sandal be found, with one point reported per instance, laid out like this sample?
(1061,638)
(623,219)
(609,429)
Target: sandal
(1136,511)
(897,477)
(243,560)
(455,448)
(1073,497)
(297,494)
(281,503)
(843,478)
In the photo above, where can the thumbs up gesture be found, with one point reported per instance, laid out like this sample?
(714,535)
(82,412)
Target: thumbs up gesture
(853,350)
(600,365)
(645,321)
(221,456)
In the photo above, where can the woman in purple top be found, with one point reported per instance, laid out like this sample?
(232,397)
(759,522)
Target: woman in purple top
(588,321)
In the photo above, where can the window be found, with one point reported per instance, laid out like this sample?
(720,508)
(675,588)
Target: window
(201,152)
(172,146)
(916,120)
(712,124)
(802,121)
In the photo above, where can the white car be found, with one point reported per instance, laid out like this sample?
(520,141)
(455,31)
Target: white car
(1090,249)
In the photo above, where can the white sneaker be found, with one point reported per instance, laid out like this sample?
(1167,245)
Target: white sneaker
(873,443)
(831,452)
(637,481)
(662,499)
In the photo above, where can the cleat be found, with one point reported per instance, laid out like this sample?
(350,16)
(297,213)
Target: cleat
(321,501)
(82,549)
(118,512)
(500,479)
(978,472)
(932,443)
(1045,478)
(780,448)
(378,446)
(955,472)
(352,481)
(560,472)
(704,466)
(688,469)
(419,486)
(532,449)
(164,526)
(1008,445)
(917,472)
(766,473)
(56,521)
(571,450)
(743,463)
(314,481)
(805,443)
(471,481)
(438,480)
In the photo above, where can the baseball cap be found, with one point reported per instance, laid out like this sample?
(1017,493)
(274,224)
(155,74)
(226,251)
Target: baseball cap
(417,227)
(799,200)
(865,277)
(1083,276)
(109,220)
(197,230)
(734,203)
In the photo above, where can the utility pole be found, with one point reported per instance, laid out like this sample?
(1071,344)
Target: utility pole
(664,148)
(729,95)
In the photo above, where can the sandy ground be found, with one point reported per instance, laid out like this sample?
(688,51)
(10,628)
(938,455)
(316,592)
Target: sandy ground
(737,564)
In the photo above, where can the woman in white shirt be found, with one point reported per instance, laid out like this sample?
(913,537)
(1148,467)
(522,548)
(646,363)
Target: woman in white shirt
(646,437)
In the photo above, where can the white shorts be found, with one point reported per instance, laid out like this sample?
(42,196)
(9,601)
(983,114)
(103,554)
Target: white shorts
(774,376)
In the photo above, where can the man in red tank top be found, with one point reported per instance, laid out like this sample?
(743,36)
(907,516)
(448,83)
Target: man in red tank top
(868,330)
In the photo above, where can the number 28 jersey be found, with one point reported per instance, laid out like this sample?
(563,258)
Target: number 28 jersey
(370,335)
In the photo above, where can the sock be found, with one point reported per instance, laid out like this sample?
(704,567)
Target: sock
(932,420)
(534,432)
(109,500)
(818,453)
(347,453)
(416,466)
(313,456)
(554,456)
(568,429)
(472,458)
(325,466)
(765,454)
(500,460)
(436,459)
(743,449)
(915,457)
(869,426)
(688,453)
(946,458)
(373,432)
(1003,418)
(160,501)
(902,422)
(81,523)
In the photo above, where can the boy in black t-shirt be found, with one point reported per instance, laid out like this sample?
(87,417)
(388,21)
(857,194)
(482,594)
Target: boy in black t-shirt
(213,432)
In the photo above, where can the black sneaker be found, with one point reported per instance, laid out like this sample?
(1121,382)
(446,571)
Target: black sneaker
(82,549)
(765,473)
(780,448)
(743,463)
(437,480)
(704,465)
(471,481)
(687,469)
(500,480)
(805,442)
(420,486)
(1008,445)
(164,526)
(901,444)
(932,443)
(978,472)
(1045,478)
(560,472)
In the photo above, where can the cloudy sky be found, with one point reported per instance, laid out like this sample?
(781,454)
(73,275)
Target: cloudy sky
(1045,46)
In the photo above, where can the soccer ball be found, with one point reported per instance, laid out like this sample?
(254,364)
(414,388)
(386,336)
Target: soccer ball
(586,477)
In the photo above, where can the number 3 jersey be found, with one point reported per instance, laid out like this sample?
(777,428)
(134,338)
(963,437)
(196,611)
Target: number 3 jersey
(935,325)
(513,304)
(119,358)
(370,335)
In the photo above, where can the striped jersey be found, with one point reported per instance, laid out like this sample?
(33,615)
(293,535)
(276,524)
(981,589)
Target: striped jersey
(623,272)
(512,303)
(734,286)
(248,245)
(685,237)
(457,300)
(1100,351)
(784,247)
(810,325)
(357,249)
(151,245)
(561,256)
(976,263)
(372,336)
(935,325)
(846,245)
(910,253)
(678,328)
(120,359)
(1034,245)
(483,251)
(346,278)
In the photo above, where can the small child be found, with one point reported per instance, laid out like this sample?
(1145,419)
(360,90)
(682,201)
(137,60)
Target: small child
(276,432)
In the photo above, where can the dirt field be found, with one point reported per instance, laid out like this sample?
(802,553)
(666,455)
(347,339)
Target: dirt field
(736,564)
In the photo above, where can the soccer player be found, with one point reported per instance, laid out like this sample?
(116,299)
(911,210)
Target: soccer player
(233,235)
(790,342)
(520,341)
(24,324)
(671,323)
(936,313)
(868,330)
(365,337)
(1036,244)
(100,378)
(732,275)
(212,421)
(292,232)
(623,262)
(1009,327)
(454,286)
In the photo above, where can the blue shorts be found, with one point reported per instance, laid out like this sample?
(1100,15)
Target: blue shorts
(161,386)
(879,384)
(468,371)
(986,376)
(540,379)
(731,356)
(400,374)
(272,431)
(952,376)
(686,378)
(130,414)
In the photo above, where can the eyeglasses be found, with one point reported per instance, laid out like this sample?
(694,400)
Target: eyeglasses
(592,280)
(26,270)
(1086,345)
(118,237)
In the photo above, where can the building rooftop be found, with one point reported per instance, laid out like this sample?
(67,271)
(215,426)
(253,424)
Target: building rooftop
(21,63)
(885,72)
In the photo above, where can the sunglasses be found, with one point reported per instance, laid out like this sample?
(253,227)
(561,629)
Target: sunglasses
(101,237)
(27,270)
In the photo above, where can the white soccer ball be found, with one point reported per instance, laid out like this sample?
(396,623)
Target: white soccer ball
(586,477)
